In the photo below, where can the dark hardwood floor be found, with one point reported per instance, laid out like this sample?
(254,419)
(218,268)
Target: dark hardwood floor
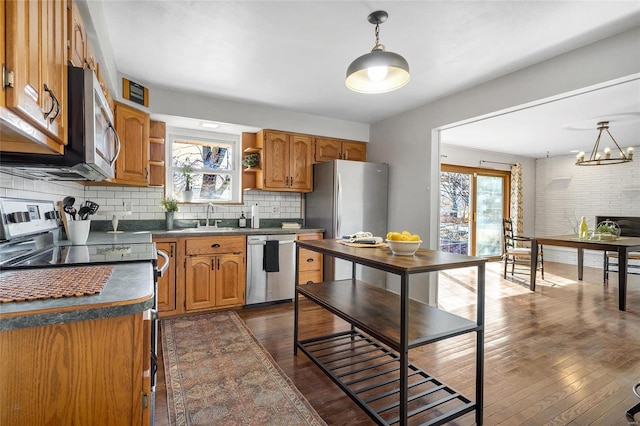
(562,355)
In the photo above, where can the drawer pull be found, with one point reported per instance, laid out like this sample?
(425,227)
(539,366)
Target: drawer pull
(310,259)
(216,245)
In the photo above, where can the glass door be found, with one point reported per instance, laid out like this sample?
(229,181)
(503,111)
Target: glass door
(473,202)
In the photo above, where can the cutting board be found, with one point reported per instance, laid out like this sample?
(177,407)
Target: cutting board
(64,218)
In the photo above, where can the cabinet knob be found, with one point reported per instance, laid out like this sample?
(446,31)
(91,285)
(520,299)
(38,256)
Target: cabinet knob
(216,245)
(310,259)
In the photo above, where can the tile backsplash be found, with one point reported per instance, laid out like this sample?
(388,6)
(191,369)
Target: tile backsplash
(144,203)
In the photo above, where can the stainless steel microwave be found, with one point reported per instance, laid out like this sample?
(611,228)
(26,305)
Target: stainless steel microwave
(93,143)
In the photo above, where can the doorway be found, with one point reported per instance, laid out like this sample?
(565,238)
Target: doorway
(473,202)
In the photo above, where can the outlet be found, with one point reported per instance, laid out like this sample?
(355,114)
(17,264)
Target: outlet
(275,209)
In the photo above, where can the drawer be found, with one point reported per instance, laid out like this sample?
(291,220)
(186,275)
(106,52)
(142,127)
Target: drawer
(310,260)
(310,236)
(215,245)
(310,276)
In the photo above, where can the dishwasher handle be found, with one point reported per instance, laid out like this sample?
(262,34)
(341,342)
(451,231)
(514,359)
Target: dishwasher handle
(261,243)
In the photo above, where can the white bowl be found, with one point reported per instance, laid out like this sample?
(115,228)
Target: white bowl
(404,248)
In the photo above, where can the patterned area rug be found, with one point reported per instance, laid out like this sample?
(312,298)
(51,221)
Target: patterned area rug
(218,374)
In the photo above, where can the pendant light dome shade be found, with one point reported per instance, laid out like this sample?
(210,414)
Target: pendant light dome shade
(378,71)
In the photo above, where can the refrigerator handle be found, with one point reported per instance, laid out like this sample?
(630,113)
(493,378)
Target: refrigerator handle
(339,207)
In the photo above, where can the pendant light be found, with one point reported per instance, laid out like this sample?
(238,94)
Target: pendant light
(378,71)
(597,159)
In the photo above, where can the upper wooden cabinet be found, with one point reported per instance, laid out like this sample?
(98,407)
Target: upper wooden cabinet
(326,149)
(81,53)
(287,162)
(77,37)
(35,92)
(132,165)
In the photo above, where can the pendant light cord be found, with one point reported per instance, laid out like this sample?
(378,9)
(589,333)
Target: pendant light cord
(378,46)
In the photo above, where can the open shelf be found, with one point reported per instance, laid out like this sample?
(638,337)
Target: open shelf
(367,371)
(377,312)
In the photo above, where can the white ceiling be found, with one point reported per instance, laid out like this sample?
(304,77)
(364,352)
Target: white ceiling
(294,54)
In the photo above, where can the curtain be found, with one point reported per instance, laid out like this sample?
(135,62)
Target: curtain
(516,198)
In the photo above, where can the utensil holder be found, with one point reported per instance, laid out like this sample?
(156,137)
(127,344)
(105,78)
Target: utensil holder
(79,231)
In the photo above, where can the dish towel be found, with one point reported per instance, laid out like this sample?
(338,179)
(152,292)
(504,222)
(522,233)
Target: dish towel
(271,258)
(362,238)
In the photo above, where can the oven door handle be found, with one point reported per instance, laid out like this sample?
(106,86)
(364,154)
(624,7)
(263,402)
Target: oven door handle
(162,270)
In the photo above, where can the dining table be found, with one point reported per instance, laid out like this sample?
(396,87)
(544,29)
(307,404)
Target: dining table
(622,245)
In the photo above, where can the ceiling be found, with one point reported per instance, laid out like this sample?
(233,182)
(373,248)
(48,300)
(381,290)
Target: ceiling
(293,55)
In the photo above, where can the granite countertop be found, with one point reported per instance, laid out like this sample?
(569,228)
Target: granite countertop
(129,290)
(206,231)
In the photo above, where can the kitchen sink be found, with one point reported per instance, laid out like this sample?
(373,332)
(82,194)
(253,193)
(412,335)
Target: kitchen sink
(205,229)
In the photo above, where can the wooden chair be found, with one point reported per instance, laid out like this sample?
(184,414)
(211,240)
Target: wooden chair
(513,250)
(629,227)
(611,263)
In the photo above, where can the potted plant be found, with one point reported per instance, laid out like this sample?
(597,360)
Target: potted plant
(170,206)
(607,230)
(187,170)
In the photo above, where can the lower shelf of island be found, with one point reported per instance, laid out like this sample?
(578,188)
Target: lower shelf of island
(365,361)
(369,373)
(376,311)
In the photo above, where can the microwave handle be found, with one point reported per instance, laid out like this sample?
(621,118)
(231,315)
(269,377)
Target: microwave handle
(115,134)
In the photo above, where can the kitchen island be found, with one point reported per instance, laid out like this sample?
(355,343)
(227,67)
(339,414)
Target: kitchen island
(79,360)
(370,363)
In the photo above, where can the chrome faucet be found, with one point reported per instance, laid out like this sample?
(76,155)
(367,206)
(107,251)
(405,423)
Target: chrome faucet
(211,207)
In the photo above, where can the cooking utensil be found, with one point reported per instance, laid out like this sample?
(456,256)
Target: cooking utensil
(93,207)
(70,210)
(83,213)
(68,201)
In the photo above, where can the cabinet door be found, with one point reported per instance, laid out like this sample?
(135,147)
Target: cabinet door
(54,66)
(167,282)
(276,160)
(77,38)
(200,282)
(301,160)
(354,151)
(326,149)
(36,54)
(230,279)
(132,126)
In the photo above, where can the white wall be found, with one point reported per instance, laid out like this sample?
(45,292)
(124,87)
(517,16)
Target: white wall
(566,192)
(405,141)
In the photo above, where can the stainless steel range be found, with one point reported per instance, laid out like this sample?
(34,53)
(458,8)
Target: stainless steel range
(27,240)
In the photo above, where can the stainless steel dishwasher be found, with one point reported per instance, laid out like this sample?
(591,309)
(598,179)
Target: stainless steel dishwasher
(262,286)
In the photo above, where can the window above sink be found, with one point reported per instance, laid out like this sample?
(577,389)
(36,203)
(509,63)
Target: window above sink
(214,162)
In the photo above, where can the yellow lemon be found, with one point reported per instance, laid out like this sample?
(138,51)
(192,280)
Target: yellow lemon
(394,236)
(414,237)
(407,233)
(405,237)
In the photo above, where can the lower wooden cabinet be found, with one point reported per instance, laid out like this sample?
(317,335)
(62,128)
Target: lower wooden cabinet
(204,274)
(214,281)
(92,372)
(310,263)
(166,291)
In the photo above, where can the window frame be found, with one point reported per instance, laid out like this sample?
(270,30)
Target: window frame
(177,134)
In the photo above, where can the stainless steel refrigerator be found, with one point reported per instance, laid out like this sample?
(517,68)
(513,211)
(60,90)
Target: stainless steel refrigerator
(348,197)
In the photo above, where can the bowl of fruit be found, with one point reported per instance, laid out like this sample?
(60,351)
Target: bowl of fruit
(403,243)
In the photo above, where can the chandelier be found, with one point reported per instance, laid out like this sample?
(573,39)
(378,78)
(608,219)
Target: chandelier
(597,159)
